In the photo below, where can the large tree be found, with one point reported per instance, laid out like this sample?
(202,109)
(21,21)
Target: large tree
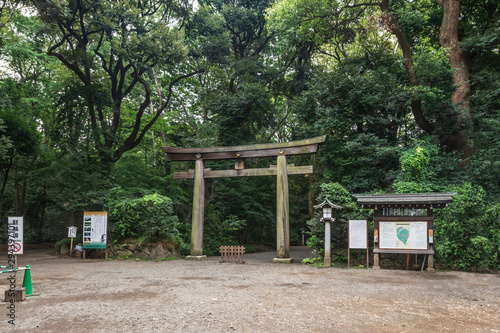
(112,48)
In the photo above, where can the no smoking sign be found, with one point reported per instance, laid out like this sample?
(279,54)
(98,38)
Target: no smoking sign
(15,247)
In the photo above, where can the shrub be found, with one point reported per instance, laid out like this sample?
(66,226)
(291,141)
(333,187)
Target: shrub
(151,216)
(467,232)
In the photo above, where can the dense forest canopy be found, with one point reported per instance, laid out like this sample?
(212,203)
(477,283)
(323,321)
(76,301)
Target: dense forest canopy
(408,93)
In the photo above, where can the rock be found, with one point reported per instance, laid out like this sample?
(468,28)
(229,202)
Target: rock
(65,249)
(140,255)
(157,252)
(125,254)
(147,250)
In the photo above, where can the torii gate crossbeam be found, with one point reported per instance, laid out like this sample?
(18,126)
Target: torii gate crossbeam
(239,153)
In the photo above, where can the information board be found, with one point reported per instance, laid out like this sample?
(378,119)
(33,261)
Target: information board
(15,232)
(403,235)
(95,226)
(358,234)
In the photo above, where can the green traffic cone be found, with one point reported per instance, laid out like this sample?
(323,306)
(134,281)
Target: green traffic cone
(27,281)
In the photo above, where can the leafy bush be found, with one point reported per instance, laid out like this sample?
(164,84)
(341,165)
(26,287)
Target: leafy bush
(220,230)
(316,262)
(151,216)
(467,232)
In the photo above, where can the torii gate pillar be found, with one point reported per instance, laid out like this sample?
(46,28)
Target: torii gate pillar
(282,211)
(198,214)
(239,153)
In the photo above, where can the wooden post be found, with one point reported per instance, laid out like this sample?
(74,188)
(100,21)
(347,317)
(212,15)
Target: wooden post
(71,247)
(198,211)
(327,261)
(282,213)
(430,257)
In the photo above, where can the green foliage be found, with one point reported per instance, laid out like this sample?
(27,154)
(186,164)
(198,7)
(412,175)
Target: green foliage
(467,232)
(316,262)
(427,168)
(220,230)
(5,142)
(415,176)
(340,257)
(361,107)
(151,216)
(414,163)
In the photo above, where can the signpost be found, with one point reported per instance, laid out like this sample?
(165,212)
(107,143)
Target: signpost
(71,234)
(15,231)
(357,238)
(95,226)
(15,241)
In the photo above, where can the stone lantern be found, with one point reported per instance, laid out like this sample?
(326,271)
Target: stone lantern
(327,216)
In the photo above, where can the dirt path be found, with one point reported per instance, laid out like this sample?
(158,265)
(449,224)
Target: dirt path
(185,296)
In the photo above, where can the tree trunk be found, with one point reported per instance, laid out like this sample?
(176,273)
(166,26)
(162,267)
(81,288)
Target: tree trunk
(16,190)
(4,182)
(42,216)
(461,76)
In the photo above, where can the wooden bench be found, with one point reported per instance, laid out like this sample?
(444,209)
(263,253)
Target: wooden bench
(232,253)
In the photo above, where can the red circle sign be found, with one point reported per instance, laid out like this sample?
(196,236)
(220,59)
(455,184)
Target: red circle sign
(16,247)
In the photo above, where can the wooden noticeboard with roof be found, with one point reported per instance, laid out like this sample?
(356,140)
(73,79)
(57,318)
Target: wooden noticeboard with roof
(404,223)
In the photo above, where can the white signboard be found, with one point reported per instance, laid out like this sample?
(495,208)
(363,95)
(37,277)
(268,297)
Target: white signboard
(95,226)
(72,232)
(403,235)
(15,231)
(358,234)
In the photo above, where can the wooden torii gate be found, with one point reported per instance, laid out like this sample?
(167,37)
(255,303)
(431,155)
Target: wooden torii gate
(239,154)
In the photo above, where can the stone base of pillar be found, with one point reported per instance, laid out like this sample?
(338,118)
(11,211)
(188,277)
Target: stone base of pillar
(376,261)
(327,261)
(199,258)
(283,260)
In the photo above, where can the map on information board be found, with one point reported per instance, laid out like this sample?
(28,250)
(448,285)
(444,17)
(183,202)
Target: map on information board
(403,235)
(95,226)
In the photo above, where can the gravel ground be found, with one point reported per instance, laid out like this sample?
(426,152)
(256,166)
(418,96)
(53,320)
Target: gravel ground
(76,295)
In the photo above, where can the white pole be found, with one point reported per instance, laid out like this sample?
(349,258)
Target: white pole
(15,272)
